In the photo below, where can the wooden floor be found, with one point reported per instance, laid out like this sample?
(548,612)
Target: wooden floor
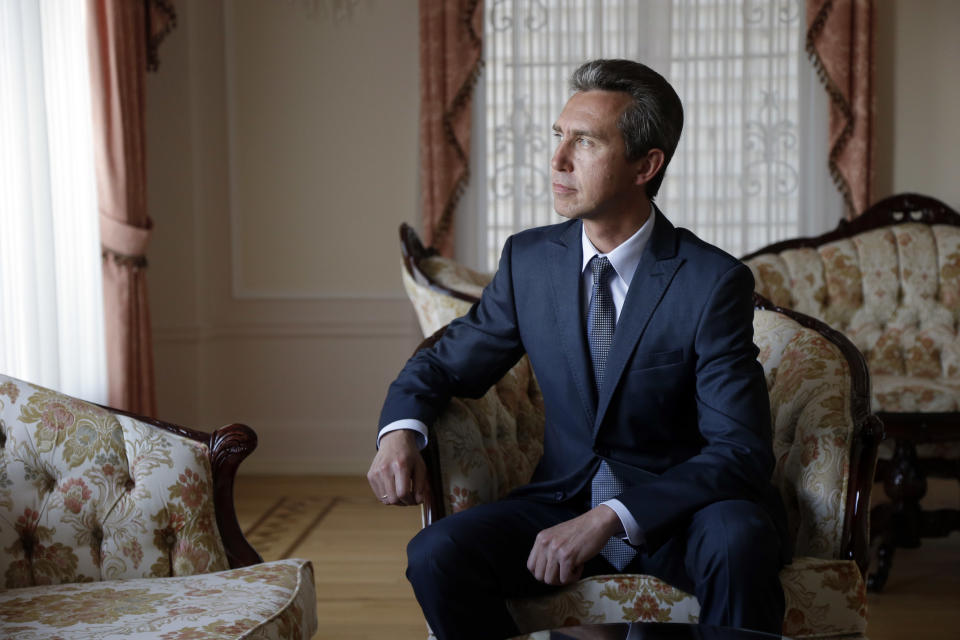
(357,548)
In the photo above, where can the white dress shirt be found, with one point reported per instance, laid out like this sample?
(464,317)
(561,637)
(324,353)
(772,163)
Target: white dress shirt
(624,260)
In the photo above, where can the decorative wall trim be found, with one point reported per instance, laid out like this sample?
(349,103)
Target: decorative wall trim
(246,293)
(286,331)
(333,11)
(233,200)
(239,290)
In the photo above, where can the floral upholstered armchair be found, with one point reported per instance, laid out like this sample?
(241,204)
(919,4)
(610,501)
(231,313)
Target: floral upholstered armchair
(116,526)
(825,442)
(890,281)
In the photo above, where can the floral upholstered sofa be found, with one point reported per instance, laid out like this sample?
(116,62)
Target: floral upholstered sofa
(890,281)
(825,441)
(114,526)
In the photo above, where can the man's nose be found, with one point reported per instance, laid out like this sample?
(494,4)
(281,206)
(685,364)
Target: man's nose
(561,158)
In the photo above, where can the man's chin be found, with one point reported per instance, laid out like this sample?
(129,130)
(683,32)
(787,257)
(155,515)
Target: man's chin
(571,213)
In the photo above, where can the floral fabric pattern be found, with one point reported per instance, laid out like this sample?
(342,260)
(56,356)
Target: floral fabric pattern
(806,277)
(606,598)
(823,598)
(98,511)
(772,279)
(808,380)
(267,601)
(895,292)
(91,495)
(491,445)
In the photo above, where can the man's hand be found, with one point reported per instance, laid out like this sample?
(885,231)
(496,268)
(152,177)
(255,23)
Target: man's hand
(559,553)
(398,474)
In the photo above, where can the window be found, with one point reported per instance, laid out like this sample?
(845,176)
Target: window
(752,156)
(51,302)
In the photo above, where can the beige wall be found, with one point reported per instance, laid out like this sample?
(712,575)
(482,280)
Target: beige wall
(282,158)
(918,98)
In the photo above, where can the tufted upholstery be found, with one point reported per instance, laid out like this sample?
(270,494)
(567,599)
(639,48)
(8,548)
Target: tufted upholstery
(895,292)
(818,412)
(79,499)
(89,495)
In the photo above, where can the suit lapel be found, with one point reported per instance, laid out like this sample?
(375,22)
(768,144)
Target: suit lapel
(650,281)
(566,256)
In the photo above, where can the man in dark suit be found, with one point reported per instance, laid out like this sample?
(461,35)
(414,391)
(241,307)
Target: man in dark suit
(657,443)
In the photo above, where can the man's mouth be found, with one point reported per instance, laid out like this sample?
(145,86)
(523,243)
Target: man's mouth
(561,189)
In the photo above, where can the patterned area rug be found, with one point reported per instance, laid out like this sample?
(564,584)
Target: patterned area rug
(285,526)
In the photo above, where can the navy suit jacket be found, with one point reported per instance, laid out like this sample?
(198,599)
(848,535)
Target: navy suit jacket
(683,415)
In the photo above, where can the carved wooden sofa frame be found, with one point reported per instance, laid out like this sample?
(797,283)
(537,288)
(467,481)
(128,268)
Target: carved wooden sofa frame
(901,522)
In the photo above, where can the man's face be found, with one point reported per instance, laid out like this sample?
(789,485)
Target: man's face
(590,173)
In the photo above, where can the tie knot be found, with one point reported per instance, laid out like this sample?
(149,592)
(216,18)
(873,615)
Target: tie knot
(601,268)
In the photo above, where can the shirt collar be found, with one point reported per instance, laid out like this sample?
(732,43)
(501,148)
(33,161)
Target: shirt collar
(626,256)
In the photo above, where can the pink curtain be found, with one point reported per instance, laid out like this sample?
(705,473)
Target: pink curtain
(120,33)
(840,44)
(450,61)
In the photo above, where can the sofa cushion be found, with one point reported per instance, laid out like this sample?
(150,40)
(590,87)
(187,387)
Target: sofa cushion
(823,598)
(87,494)
(606,598)
(906,393)
(269,601)
(922,395)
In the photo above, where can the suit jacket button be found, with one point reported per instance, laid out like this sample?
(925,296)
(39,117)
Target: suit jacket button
(558,495)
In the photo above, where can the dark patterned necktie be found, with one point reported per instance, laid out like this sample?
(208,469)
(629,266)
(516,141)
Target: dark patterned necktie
(601,321)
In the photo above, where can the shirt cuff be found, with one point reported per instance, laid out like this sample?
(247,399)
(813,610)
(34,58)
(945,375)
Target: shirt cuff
(409,423)
(633,532)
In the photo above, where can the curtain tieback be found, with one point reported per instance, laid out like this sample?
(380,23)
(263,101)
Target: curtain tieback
(124,240)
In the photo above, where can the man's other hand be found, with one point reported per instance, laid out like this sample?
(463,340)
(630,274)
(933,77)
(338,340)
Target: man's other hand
(559,553)
(398,474)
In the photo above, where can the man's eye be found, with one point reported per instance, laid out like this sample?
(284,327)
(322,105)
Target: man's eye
(557,136)
(583,142)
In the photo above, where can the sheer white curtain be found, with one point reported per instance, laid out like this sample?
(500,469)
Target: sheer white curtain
(751,165)
(51,302)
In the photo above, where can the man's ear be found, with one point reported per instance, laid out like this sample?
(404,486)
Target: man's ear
(649,166)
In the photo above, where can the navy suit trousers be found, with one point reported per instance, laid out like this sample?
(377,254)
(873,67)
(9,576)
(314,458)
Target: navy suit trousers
(464,567)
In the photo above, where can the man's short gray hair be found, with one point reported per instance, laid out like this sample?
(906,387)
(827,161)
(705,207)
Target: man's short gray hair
(654,119)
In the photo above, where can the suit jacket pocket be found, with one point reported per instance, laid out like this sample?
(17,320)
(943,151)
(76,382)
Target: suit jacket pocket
(658,359)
